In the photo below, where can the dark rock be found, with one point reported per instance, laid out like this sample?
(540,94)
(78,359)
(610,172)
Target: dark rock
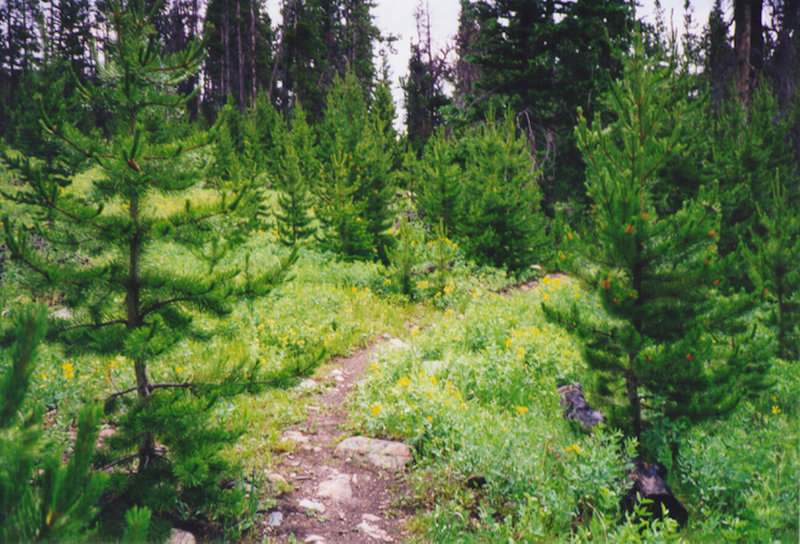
(648,482)
(575,406)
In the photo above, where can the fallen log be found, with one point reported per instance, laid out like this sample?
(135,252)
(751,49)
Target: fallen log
(648,483)
(576,408)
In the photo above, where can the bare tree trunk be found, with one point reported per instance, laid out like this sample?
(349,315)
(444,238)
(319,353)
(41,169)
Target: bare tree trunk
(226,58)
(239,30)
(748,46)
(253,79)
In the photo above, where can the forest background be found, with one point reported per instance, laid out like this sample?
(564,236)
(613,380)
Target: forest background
(660,173)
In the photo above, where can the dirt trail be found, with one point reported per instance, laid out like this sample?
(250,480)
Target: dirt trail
(335,500)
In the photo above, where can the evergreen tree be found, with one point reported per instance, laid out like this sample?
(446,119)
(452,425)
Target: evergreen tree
(773,264)
(295,176)
(436,179)
(320,40)
(423,87)
(356,185)
(542,60)
(237,34)
(674,333)
(40,498)
(126,298)
(501,222)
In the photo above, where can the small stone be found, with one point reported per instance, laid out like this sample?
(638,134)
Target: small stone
(274,478)
(336,487)
(385,454)
(314,538)
(295,436)
(308,385)
(275,519)
(374,532)
(308,504)
(396,343)
(355,479)
(177,536)
(370,517)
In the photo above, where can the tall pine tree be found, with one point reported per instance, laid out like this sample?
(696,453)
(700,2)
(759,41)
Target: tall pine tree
(674,336)
(126,298)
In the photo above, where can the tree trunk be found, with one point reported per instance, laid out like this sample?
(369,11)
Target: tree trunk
(239,31)
(134,321)
(253,79)
(748,45)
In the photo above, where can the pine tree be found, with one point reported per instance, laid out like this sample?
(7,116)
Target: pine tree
(436,179)
(501,222)
(295,176)
(126,298)
(773,264)
(356,184)
(40,498)
(674,333)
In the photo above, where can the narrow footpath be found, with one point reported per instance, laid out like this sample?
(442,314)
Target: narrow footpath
(345,490)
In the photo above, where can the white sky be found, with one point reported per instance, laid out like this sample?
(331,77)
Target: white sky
(396,17)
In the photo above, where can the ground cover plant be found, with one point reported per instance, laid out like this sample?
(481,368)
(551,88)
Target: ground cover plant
(196,258)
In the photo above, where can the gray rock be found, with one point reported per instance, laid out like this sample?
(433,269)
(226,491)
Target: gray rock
(335,487)
(294,436)
(275,519)
(308,504)
(386,454)
(396,343)
(314,538)
(370,517)
(177,536)
(374,532)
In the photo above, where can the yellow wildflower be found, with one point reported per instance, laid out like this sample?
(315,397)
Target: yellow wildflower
(69,370)
(776,410)
(522,409)
(404,381)
(376,409)
(574,447)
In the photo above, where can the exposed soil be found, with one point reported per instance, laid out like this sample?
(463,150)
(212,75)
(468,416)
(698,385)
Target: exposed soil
(373,513)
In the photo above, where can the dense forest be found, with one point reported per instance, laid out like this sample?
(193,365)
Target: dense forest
(200,206)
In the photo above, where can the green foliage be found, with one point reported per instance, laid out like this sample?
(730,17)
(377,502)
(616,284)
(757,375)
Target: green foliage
(436,178)
(296,173)
(673,330)
(150,250)
(773,264)
(476,397)
(40,498)
(356,185)
(501,222)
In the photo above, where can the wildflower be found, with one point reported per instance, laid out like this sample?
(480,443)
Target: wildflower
(354,290)
(404,381)
(776,410)
(522,409)
(689,356)
(508,342)
(716,282)
(69,371)
(423,284)
(577,295)
(644,215)
(615,300)
(629,230)
(376,409)
(415,331)
(607,283)
(430,419)
(574,447)
(712,233)
(438,294)
(374,366)
(388,281)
